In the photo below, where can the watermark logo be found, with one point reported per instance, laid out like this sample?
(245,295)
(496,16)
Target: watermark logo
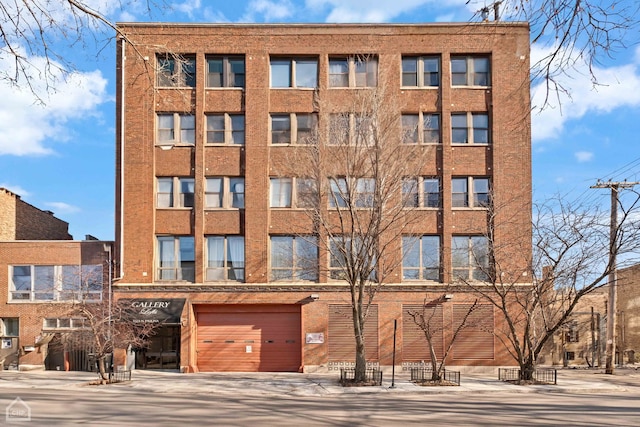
(18,411)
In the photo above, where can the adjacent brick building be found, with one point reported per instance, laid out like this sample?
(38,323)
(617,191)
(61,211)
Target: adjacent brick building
(204,111)
(43,272)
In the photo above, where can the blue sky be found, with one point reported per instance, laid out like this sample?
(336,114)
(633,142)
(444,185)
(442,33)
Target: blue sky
(61,156)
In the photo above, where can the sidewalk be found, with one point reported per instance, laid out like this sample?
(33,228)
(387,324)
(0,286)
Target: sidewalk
(292,384)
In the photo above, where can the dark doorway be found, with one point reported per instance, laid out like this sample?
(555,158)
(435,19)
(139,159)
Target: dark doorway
(163,351)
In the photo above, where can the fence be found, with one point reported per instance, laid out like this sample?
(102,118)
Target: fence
(541,376)
(424,375)
(348,375)
(118,376)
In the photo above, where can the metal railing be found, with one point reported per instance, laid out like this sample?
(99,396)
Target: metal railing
(426,374)
(540,376)
(119,376)
(348,375)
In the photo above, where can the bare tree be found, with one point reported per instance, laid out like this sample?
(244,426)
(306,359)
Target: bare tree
(570,259)
(357,167)
(36,36)
(571,33)
(426,320)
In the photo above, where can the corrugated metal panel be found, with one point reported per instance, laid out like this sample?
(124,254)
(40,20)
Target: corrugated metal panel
(415,346)
(249,340)
(341,339)
(476,339)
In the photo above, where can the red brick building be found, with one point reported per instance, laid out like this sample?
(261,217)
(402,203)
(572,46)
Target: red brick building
(204,111)
(42,273)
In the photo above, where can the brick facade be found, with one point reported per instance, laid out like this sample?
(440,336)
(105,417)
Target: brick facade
(21,221)
(30,313)
(140,160)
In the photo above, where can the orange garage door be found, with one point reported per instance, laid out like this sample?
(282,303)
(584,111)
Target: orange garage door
(249,338)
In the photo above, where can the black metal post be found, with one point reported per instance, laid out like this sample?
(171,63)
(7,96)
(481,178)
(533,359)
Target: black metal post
(393,363)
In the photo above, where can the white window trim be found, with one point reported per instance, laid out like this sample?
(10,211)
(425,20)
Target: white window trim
(420,190)
(177,72)
(293,60)
(177,130)
(58,286)
(421,128)
(226,71)
(176,196)
(421,267)
(470,74)
(296,198)
(295,268)
(226,266)
(293,128)
(470,194)
(228,129)
(470,129)
(352,60)
(226,195)
(420,71)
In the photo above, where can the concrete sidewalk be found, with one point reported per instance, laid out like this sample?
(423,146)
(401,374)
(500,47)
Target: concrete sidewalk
(293,384)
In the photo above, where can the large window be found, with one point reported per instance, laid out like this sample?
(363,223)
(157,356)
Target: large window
(168,198)
(421,258)
(292,193)
(225,129)
(176,258)
(460,192)
(353,71)
(296,128)
(421,192)
(176,70)
(224,192)
(225,258)
(470,71)
(294,72)
(344,251)
(470,257)
(420,71)
(56,283)
(225,71)
(294,258)
(174,128)
(351,192)
(470,128)
(64,323)
(351,129)
(421,128)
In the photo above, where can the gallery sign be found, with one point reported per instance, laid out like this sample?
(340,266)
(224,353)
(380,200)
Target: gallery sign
(155,310)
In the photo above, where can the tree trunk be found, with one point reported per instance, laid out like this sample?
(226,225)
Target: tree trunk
(102,369)
(526,370)
(361,361)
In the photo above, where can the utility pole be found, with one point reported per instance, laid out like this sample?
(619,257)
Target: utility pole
(613,284)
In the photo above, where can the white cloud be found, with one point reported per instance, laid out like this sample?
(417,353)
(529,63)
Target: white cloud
(29,128)
(63,207)
(583,156)
(269,10)
(617,86)
(188,7)
(15,189)
(377,10)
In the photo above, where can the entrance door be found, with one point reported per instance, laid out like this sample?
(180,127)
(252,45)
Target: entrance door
(249,338)
(163,351)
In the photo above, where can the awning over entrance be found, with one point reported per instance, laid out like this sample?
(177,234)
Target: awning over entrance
(156,310)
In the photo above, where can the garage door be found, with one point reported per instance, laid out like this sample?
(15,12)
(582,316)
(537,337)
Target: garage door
(249,338)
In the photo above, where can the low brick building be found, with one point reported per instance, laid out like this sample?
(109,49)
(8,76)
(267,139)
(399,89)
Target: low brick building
(628,310)
(206,112)
(42,273)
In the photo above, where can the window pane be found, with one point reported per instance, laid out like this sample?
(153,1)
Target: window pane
(338,72)
(306,128)
(236,79)
(237,129)
(431,125)
(410,193)
(459,132)
(43,283)
(460,251)
(215,129)
(409,72)
(431,192)
(365,189)
(481,71)
(307,196)
(280,73)
(410,128)
(306,254)
(431,71)
(187,189)
(11,326)
(187,129)
(338,196)
(187,259)
(235,258)
(459,71)
(214,193)
(237,192)
(280,129)
(215,251)
(22,278)
(189,72)
(410,252)
(165,193)
(215,72)
(306,73)
(165,127)
(281,192)
(480,128)
(481,192)
(459,192)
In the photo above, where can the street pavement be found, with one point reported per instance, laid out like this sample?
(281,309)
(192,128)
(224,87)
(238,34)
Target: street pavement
(295,384)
